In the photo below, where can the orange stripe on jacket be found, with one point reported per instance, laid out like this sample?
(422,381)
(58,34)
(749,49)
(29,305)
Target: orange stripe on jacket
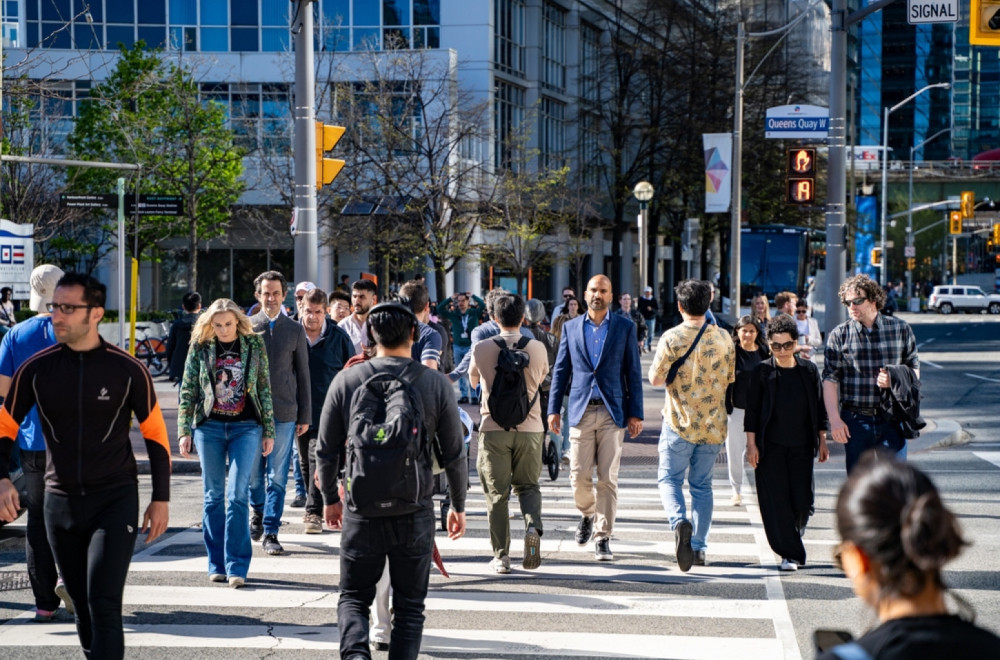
(154,429)
(8,425)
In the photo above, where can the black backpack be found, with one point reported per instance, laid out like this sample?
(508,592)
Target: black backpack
(388,456)
(508,401)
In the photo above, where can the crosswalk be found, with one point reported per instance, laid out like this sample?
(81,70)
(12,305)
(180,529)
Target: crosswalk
(639,606)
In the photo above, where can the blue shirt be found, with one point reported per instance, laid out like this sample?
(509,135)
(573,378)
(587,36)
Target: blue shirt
(20,343)
(594,336)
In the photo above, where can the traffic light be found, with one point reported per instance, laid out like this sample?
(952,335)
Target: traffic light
(876,256)
(800,173)
(327,169)
(968,204)
(955,224)
(984,23)
(996,235)
(911,263)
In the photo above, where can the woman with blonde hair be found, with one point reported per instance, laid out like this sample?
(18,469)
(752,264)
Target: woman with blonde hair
(760,312)
(225,398)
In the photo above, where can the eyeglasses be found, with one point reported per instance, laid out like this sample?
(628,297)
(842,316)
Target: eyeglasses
(857,302)
(567,295)
(64,308)
(787,346)
(300,297)
(800,311)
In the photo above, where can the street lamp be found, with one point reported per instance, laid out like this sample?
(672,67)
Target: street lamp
(883,276)
(909,213)
(643,192)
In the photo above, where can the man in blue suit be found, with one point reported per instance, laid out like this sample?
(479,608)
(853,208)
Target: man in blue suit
(598,362)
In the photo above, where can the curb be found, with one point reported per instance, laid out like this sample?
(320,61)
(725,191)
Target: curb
(946,433)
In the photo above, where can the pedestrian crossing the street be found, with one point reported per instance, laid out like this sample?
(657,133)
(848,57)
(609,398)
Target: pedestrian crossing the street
(638,606)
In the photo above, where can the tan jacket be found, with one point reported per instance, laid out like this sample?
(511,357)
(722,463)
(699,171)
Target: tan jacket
(482,368)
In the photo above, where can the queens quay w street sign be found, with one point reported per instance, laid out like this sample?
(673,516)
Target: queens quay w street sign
(931,11)
(797,122)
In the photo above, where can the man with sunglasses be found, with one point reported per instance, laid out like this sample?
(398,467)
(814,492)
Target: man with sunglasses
(566,295)
(86,392)
(854,371)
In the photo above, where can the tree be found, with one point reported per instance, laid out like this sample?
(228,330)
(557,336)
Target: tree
(150,112)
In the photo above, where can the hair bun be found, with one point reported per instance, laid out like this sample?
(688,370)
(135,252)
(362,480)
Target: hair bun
(929,532)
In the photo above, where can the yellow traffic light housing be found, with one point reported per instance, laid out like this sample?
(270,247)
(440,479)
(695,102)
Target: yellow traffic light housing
(984,22)
(968,204)
(955,223)
(996,235)
(876,256)
(911,263)
(800,176)
(327,169)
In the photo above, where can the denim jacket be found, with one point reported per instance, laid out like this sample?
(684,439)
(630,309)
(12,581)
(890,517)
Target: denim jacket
(197,395)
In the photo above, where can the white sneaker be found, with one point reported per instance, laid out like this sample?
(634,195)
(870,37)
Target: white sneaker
(737,500)
(313,524)
(788,565)
(500,565)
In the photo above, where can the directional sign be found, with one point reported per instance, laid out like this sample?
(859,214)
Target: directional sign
(88,201)
(931,11)
(156,205)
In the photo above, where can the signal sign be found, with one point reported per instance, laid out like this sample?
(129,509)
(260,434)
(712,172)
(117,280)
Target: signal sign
(800,178)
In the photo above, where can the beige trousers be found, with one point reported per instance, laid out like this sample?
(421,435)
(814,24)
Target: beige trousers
(596,442)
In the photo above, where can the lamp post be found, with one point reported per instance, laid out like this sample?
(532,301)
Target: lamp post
(643,192)
(883,276)
(909,210)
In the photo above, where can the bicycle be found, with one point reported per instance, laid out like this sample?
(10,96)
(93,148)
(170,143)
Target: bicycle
(151,351)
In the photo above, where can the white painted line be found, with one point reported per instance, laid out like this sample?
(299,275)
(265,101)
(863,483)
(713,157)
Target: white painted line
(991,456)
(220,596)
(929,363)
(990,380)
(435,641)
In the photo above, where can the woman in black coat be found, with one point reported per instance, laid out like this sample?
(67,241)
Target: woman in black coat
(786,428)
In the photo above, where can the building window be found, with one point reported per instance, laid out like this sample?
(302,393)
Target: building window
(554,48)
(590,151)
(590,53)
(553,134)
(508,42)
(508,108)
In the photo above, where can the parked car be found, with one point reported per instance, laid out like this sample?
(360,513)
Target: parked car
(962,298)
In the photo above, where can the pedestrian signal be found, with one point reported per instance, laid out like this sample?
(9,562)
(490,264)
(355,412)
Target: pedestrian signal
(984,23)
(968,204)
(876,256)
(955,223)
(800,177)
(911,263)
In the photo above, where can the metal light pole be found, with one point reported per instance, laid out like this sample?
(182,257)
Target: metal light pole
(883,276)
(306,238)
(909,209)
(643,192)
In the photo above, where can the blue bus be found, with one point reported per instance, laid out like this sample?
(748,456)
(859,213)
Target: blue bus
(776,258)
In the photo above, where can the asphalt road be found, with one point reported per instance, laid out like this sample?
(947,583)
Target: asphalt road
(638,606)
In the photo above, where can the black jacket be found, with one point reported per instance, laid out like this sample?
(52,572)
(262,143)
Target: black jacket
(901,401)
(177,345)
(761,404)
(326,358)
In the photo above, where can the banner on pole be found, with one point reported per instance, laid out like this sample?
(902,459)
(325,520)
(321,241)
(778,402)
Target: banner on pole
(17,257)
(718,171)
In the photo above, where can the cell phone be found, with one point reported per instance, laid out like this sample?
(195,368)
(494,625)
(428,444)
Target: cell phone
(824,640)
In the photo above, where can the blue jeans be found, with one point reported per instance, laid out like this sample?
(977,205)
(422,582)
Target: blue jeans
(868,432)
(365,544)
(650,330)
(273,473)
(464,388)
(227,530)
(678,456)
(300,484)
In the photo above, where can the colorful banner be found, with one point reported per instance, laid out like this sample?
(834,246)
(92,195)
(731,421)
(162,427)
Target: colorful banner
(718,171)
(865,235)
(17,257)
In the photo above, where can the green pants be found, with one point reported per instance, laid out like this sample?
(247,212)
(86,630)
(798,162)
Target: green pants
(510,459)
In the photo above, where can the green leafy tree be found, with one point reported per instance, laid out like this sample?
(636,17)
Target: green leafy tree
(149,111)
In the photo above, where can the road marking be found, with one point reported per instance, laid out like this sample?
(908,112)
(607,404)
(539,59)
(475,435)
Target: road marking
(991,380)
(990,456)
(928,362)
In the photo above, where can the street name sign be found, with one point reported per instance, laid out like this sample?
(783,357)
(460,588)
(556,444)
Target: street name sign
(797,122)
(931,11)
(156,204)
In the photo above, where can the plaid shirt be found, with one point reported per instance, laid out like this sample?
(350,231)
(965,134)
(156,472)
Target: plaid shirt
(854,356)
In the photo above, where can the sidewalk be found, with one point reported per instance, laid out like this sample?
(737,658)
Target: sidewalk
(640,451)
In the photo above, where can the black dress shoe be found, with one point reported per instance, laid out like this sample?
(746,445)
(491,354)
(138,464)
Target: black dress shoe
(256,525)
(585,530)
(464,399)
(474,400)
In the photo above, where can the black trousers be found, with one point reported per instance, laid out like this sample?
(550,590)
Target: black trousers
(41,565)
(785,492)
(307,461)
(93,537)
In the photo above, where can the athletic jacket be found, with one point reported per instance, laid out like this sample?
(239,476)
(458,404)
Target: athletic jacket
(85,402)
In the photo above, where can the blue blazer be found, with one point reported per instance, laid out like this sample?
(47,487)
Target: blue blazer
(617,374)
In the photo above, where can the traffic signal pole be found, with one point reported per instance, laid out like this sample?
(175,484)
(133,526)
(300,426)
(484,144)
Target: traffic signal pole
(306,238)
